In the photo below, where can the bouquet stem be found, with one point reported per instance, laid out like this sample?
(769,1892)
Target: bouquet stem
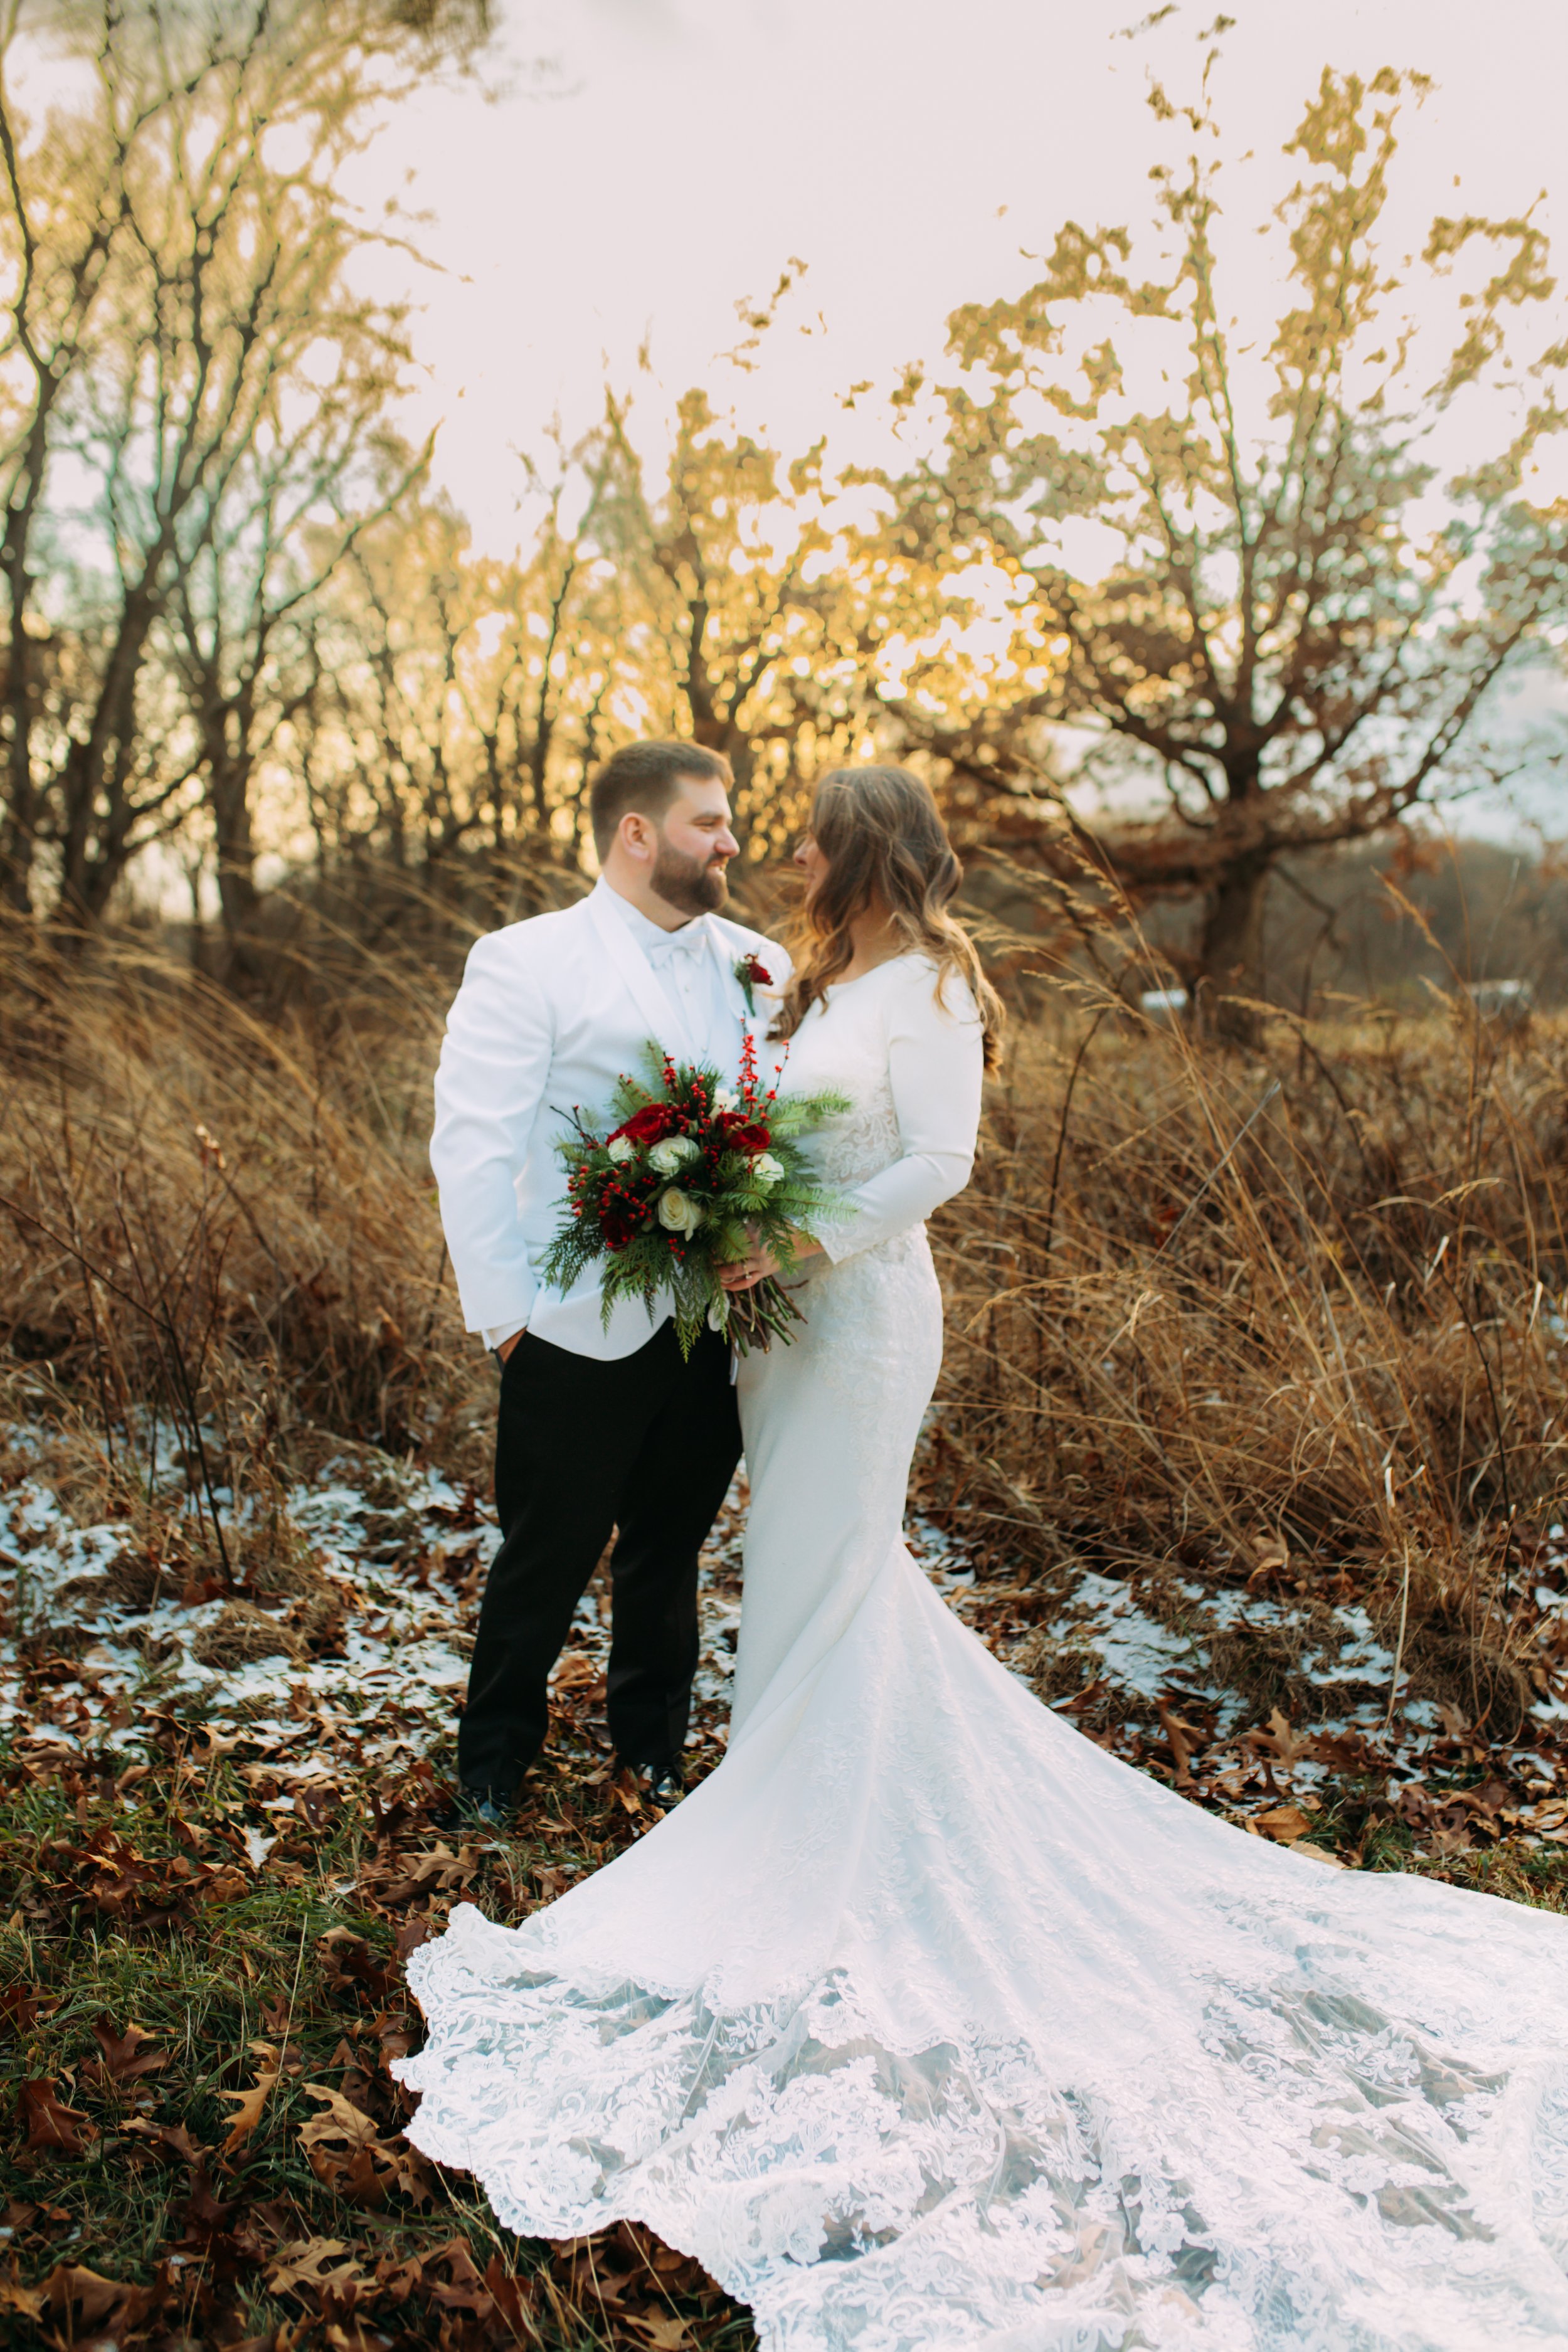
(759,1317)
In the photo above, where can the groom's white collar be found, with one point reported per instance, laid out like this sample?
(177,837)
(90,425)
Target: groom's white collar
(643,929)
(615,918)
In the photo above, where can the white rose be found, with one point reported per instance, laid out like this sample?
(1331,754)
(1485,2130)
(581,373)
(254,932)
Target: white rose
(622,1148)
(725,1099)
(678,1212)
(765,1169)
(668,1156)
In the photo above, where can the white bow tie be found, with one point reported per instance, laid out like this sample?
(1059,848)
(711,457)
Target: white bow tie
(690,941)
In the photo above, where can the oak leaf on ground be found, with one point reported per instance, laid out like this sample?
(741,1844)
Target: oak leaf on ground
(249,2110)
(312,2264)
(127,2056)
(51,2125)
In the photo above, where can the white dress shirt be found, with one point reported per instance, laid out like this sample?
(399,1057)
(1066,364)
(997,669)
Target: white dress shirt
(690,963)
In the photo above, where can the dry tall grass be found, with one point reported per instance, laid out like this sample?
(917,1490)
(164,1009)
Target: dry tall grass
(218,1231)
(1292,1317)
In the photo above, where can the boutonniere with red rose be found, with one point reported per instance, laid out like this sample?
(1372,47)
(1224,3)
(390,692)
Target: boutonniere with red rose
(752,975)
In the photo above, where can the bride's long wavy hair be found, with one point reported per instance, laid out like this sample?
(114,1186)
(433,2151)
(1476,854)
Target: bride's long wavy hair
(884,840)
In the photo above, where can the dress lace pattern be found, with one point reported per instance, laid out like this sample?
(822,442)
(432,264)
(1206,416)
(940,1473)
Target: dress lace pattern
(924,2024)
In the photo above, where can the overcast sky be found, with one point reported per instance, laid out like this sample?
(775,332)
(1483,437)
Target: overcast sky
(647,162)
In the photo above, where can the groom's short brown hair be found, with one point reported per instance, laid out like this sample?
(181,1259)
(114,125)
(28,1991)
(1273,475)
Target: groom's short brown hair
(645,777)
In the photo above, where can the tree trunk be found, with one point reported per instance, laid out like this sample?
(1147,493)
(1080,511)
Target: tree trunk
(239,902)
(18,837)
(23,802)
(19,813)
(1230,952)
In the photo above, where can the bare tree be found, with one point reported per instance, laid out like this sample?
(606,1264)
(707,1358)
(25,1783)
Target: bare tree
(752,632)
(1304,622)
(184,341)
(461,694)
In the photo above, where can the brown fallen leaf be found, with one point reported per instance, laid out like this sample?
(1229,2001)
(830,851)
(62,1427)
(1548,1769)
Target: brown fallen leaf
(172,2141)
(506,2292)
(574,1673)
(412,2173)
(396,2280)
(51,2125)
(464,2290)
(28,2302)
(1286,1746)
(347,1960)
(316,1805)
(312,2263)
(438,1869)
(1272,1556)
(206,2219)
(1284,1824)
(346,2151)
(1181,1738)
(19,2008)
(87,2297)
(665,2331)
(127,2056)
(249,2107)
(1492,1798)
(215,1744)
(1318,1854)
(342,2120)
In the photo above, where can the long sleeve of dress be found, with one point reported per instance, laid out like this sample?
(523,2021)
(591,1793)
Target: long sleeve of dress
(935,1070)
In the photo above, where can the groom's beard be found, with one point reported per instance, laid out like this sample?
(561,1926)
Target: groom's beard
(696,884)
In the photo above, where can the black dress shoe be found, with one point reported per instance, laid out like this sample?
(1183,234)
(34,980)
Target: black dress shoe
(660,1782)
(476,1808)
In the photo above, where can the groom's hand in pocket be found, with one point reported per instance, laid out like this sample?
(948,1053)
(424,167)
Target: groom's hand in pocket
(505,1347)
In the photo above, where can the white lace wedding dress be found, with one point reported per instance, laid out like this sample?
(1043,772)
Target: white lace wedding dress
(923,2023)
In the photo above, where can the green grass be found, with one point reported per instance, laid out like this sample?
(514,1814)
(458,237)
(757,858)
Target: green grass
(293,1970)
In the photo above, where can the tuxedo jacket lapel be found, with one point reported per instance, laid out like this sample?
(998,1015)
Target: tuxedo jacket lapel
(653,1001)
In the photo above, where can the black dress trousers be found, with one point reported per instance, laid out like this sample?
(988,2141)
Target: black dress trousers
(646,1444)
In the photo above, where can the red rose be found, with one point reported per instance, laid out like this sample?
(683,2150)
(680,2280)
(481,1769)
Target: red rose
(618,1222)
(750,1139)
(758,973)
(650,1124)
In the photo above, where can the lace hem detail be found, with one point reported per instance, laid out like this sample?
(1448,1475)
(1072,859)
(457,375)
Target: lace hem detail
(1335,2185)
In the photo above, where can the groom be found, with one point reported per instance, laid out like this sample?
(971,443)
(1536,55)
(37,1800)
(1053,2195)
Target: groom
(600,1428)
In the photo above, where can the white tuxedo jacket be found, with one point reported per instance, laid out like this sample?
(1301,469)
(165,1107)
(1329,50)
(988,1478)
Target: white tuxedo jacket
(550,1014)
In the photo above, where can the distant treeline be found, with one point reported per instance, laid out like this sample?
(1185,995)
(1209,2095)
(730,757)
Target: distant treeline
(1393,920)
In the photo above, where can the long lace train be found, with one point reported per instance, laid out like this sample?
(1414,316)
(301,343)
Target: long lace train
(1023,2050)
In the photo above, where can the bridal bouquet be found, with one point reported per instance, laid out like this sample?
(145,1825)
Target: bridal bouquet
(692,1174)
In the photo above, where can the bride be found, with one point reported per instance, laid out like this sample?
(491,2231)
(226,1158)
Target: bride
(922,2023)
